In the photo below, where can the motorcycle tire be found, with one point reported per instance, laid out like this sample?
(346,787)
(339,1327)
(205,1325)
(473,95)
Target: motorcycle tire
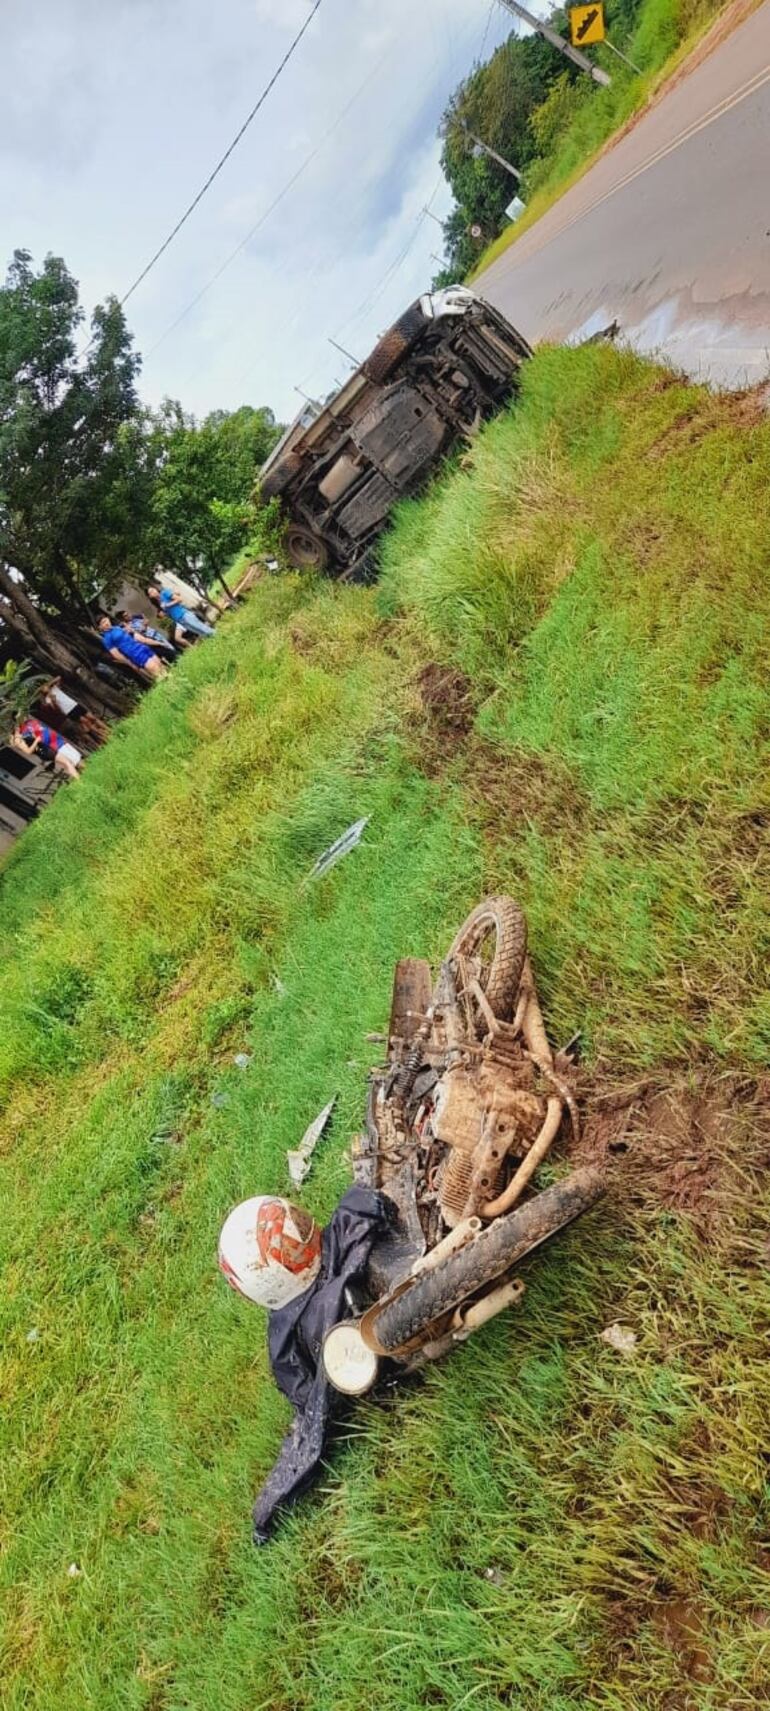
(503,917)
(484,1260)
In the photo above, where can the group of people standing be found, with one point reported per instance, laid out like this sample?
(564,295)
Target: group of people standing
(134,644)
(138,645)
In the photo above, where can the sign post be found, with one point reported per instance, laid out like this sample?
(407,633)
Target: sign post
(557,41)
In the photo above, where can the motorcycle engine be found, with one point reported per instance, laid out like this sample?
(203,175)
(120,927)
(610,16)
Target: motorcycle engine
(464,1102)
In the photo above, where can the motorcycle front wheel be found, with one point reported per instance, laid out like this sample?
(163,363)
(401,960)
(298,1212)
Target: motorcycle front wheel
(495,936)
(483,1261)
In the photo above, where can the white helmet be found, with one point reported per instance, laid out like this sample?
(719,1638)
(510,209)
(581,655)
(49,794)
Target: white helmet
(269,1250)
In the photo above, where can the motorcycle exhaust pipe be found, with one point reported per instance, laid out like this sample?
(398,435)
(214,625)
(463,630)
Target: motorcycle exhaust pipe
(468,1319)
(462,1233)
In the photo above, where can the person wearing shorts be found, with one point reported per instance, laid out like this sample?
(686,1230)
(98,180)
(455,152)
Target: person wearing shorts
(59,709)
(32,735)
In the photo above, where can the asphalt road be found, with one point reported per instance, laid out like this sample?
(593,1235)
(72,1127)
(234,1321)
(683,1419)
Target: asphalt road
(669,233)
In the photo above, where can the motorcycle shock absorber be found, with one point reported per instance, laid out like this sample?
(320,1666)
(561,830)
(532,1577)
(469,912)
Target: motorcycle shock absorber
(413,1060)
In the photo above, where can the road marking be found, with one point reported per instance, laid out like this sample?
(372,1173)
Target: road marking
(752,85)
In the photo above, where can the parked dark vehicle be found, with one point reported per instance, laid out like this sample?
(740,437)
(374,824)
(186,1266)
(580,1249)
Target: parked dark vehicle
(447,364)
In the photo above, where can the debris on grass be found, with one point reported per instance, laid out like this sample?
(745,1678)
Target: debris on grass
(342,847)
(619,1337)
(299,1162)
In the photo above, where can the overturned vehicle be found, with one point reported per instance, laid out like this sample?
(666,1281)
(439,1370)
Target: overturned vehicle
(448,363)
(423,1250)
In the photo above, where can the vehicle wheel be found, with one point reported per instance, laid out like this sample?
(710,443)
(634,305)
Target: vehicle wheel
(306,550)
(394,344)
(281,475)
(496,934)
(365,571)
(484,1260)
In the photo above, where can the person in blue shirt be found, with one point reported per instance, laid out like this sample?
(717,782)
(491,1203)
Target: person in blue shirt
(171,607)
(138,625)
(129,651)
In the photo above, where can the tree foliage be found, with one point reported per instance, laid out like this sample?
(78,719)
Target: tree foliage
(200,510)
(93,485)
(495,103)
(61,414)
(20,687)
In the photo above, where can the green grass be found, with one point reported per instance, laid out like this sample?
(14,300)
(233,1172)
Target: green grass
(516,1528)
(664,32)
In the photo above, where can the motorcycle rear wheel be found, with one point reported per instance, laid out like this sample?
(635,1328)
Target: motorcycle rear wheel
(484,1260)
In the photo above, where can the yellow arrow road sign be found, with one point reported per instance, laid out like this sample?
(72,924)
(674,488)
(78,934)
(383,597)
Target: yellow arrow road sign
(586,24)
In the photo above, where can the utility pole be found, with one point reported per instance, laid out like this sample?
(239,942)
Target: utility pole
(433,217)
(557,41)
(343,352)
(484,148)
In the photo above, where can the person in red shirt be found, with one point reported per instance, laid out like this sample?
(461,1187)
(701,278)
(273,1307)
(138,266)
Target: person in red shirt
(31,735)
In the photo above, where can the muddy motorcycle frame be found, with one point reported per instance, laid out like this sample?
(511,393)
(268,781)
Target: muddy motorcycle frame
(459,1119)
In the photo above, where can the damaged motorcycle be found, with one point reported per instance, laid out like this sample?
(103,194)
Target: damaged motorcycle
(423,1250)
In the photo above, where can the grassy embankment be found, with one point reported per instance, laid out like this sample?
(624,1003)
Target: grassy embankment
(582,117)
(540,1523)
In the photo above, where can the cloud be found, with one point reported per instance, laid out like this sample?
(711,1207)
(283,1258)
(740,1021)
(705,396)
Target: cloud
(114,115)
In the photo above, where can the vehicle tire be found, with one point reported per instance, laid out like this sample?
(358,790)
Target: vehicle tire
(500,919)
(305,550)
(365,571)
(484,1260)
(394,344)
(281,475)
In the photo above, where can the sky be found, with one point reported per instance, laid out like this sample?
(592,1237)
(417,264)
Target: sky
(115,111)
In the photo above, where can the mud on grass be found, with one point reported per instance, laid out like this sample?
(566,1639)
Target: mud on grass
(699,1146)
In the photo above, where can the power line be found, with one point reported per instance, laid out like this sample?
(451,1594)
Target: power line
(226,156)
(486,28)
(279,197)
(282,328)
(375,295)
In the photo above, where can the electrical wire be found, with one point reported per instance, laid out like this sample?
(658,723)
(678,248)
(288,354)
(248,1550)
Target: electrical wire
(278,198)
(374,294)
(225,157)
(395,266)
(486,29)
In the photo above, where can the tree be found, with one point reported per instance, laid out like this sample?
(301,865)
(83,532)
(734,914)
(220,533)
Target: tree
(201,508)
(496,102)
(67,512)
(20,687)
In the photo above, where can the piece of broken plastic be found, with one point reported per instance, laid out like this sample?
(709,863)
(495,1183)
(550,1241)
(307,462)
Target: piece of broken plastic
(299,1161)
(336,851)
(620,1337)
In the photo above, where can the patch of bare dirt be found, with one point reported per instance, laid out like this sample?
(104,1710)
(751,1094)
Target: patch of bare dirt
(448,710)
(734,410)
(681,1626)
(686,1145)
